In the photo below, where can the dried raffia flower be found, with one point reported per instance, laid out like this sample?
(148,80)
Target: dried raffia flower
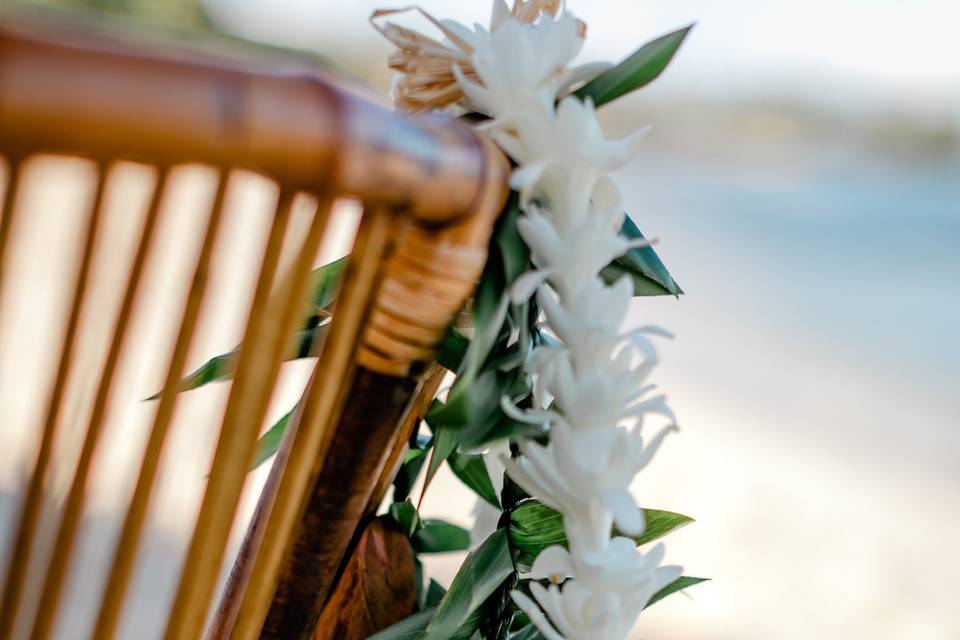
(425,78)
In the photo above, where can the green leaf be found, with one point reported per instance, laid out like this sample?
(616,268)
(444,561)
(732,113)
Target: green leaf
(407,475)
(638,70)
(472,471)
(269,443)
(325,281)
(223,366)
(452,350)
(535,526)
(435,593)
(413,454)
(643,265)
(412,627)
(482,572)
(473,409)
(489,318)
(445,442)
(514,252)
(323,293)
(529,632)
(438,536)
(659,524)
(220,367)
(508,258)
(406,516)
(677,585)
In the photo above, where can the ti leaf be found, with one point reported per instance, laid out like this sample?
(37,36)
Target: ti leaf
(479,576)
(643,265)
(508,258)
(438,536)
(269,443)
(472,471)
(452,350)
(412,627)
(324,283)
(407,475)
(514,252)
(529,632)
(640,69)
(323,293)
(406,516)
(677,585)
(445,442)
(435,593)
(535,526)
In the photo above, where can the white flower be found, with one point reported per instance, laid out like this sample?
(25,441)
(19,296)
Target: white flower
(595,389)
(610,590)
(582,470)
(592,307)
(572,139)
(520,67)
(572,259)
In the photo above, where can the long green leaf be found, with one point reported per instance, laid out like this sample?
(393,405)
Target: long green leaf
(452,350)
(406,516)
(514,252)
(269,443)
(535,526)
(472,471)
(638,70)
(324,282)
(412,627)
(509,257)
(677,585)
(529,632)
(481,573)
(445,443)
(650,276)
(435,593)
(438,536)
(409,471)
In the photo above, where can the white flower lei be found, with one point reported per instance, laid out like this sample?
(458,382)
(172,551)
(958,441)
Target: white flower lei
(593,383)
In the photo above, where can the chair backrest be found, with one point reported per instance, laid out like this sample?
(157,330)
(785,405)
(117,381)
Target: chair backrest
(429,190)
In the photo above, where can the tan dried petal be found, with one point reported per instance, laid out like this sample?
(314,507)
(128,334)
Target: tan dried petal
(530,10)
(426,64)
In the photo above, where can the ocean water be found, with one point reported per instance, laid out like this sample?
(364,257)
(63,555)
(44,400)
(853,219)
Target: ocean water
(815,373)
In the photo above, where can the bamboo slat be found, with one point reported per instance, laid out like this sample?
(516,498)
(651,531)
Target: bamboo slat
(8,210)
(229,605)
(59,561)
(26,532)
(313,425)
(126,550)
(249,395)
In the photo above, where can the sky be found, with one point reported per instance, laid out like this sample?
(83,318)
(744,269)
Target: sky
(834,51)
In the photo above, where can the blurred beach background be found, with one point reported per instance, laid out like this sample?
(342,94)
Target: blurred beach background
(803,180)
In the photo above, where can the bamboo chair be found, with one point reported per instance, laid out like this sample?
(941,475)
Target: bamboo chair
(430,190)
